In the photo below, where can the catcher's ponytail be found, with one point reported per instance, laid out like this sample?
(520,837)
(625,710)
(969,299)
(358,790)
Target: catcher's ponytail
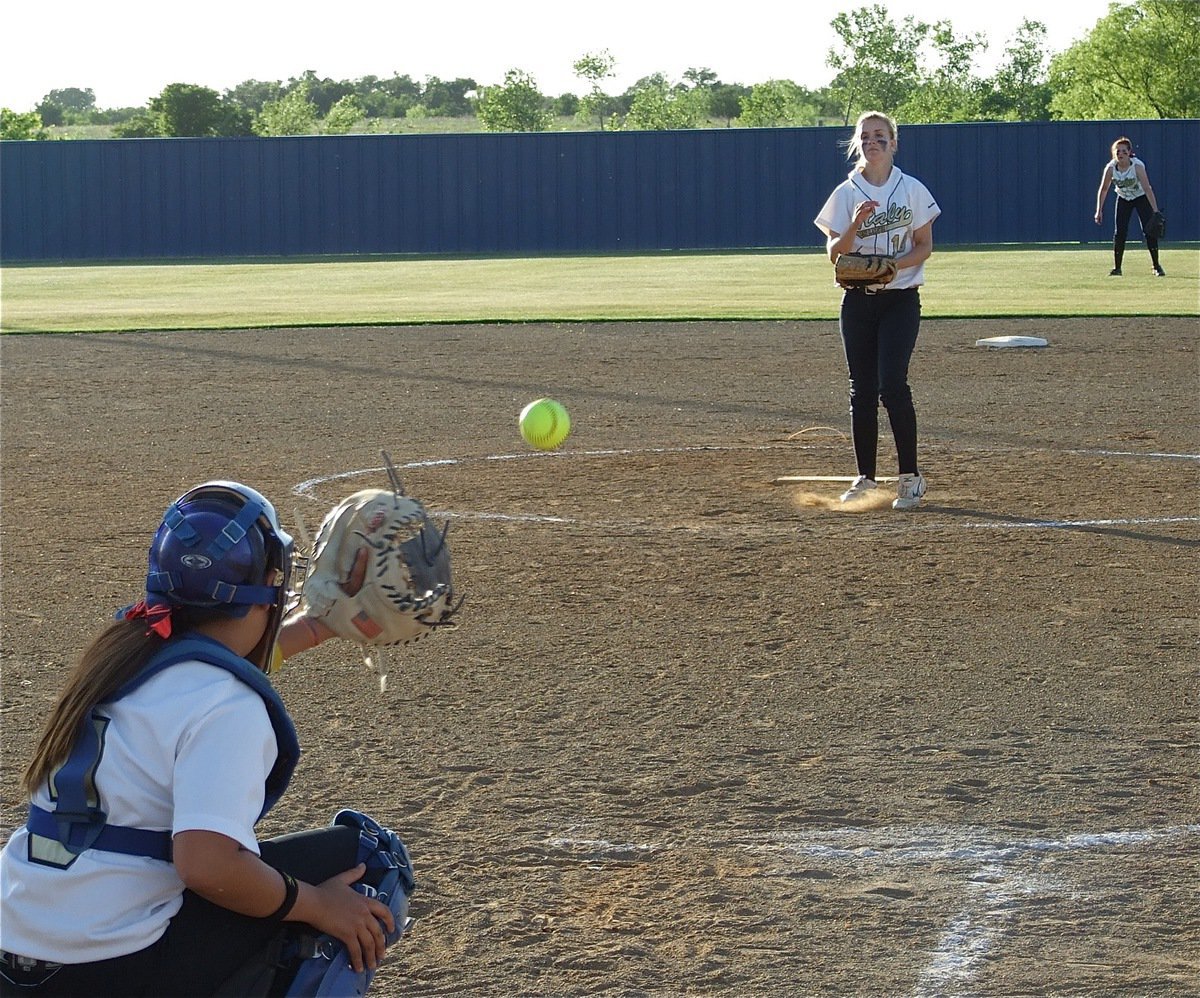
(117,654)
(113,657)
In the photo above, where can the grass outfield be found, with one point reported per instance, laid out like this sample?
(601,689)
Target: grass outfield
(962,283)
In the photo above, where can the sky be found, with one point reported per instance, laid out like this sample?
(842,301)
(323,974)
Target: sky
(127,52)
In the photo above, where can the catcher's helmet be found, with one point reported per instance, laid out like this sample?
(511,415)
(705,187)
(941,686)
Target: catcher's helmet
(220,547)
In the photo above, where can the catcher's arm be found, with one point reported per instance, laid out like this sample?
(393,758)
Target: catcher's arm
(300,632)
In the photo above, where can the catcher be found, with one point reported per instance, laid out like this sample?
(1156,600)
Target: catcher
(138,871)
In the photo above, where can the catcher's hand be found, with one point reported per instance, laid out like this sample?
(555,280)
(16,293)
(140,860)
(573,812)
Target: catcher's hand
(856,270)
(406,590)
(1157,226)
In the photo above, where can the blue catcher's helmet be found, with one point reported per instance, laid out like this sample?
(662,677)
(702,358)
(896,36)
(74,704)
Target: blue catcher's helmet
(220,546)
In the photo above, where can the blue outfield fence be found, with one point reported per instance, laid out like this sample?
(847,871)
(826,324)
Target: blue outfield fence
(559,192)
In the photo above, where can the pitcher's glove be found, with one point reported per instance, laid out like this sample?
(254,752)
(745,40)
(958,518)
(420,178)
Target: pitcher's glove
(1156,228)
(407,590)
(857,270)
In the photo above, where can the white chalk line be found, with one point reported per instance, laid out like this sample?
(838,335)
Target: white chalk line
(996,893)
(994,897)
(307,489)
(1166,455)
(975,845)
(1067,524)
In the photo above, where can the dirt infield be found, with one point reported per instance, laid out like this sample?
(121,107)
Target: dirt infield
(698,733)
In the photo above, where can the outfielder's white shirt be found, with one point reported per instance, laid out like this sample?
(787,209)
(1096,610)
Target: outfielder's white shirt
(189,749)
(1126,182)
(905,204)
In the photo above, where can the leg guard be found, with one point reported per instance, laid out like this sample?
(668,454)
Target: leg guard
(323,966)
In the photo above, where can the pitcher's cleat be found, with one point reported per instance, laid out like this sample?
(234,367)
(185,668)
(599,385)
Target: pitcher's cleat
(1115,272)
(909,490)
(859,487)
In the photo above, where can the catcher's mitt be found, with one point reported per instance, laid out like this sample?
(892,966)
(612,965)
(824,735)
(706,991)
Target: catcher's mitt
(856,270)
(407,590)
(1157,226)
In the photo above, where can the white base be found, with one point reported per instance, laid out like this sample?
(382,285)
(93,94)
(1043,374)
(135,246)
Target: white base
(1012,341)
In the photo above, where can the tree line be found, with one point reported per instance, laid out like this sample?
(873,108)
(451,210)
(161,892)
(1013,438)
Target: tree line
(1137,62)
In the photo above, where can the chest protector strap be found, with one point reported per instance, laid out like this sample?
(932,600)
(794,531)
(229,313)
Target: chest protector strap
(78,823)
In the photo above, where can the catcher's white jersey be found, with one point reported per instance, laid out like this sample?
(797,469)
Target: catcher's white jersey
(905,204)
(189,749)
(1126,182)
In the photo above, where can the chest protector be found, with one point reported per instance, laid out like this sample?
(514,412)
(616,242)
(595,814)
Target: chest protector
(78,823)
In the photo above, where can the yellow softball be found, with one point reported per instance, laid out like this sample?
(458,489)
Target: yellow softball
(544,424)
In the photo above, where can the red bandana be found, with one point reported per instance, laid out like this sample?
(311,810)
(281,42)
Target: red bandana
(159,617)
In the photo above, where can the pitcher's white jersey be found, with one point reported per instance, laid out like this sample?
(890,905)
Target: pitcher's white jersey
(905,204)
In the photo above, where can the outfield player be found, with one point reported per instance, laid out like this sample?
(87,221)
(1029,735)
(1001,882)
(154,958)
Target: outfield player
(1127,174)
(139,872)
(880,210)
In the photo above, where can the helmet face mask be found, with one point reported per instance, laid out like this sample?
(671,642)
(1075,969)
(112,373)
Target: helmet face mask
(220,547)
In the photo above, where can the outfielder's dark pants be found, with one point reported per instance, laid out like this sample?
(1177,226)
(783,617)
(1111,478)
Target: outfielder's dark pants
(879,333)
(205,943)
(1123,214)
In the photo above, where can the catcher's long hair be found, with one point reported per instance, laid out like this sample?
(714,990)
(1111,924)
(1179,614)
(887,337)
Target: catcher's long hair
(117,654)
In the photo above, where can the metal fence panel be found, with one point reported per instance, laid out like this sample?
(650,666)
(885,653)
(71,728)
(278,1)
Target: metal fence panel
(561,192)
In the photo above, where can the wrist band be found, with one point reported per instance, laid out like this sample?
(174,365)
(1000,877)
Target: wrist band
(291,891)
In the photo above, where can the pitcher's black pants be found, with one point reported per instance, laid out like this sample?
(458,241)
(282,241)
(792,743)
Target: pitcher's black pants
(879,332)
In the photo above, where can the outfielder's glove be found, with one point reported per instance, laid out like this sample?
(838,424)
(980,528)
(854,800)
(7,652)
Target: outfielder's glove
(857,270)
(407,590)
(1156,228)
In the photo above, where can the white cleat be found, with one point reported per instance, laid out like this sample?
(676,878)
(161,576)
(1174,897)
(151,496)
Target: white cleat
(859,487)
(909,490)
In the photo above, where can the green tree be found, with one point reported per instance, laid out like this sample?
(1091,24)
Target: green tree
(776,103)
(725,101)
(185,109)
(516,105)
(72,99)
(946,89)
(594,68)
(344,115)
(67,106)
(115,115)
(876,61)
(448,98)
(389,98)
(1020,90)
(253,94)
(144,124)
(565,105)
(292,114)
(321,92)
(702,83)
(700,76)
(20,125)
(656,104)
(1139,61)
